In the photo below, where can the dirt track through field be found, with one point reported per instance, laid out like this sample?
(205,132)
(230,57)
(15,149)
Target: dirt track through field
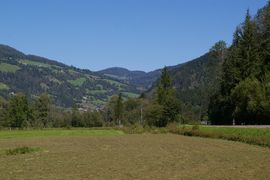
(135,157)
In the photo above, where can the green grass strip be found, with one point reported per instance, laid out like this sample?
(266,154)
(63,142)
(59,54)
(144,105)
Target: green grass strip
(14,134)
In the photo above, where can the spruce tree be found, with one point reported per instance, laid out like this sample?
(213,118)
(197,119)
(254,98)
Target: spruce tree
(265,40)
(250,63)
(166,98)
(164,87)
(220,107)
(231,74)
(219,50)
(41,110)
(118,109)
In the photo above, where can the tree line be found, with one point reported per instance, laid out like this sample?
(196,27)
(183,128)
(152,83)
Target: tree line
(163,108)
(244,93)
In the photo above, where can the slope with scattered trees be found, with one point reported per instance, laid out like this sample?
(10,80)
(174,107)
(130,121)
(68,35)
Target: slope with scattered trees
(66,85)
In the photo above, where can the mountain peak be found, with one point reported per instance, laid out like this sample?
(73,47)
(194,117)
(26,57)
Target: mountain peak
(7,51)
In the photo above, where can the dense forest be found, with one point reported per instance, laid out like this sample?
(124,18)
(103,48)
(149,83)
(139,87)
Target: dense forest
(196,80)
(244,93)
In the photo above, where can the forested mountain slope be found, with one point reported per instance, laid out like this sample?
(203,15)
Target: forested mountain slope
(66,85)
(196,80)
(142,80)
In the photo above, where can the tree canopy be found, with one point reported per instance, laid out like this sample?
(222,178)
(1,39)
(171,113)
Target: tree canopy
(244,93)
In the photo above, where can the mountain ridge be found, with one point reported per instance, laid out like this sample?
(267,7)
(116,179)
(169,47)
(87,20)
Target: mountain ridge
(34,75)
(143,80)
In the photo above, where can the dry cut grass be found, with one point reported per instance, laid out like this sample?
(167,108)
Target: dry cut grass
(145,156)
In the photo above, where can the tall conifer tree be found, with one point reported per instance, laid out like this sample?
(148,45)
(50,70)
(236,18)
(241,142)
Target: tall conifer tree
(166,97)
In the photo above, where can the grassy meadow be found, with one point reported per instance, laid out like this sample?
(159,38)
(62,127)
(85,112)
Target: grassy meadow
(255,135)
(254,132)
(43,133)
(4,67)
(3,86)
(230,130)
(77,82)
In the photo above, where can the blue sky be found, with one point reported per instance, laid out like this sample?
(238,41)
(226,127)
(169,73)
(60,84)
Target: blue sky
(135,34)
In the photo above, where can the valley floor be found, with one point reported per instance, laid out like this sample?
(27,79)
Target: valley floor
(146,156)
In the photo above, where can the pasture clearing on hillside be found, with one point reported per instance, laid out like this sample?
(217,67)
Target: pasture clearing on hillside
(8,68)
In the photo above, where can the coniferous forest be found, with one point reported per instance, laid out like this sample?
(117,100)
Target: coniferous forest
(244,93)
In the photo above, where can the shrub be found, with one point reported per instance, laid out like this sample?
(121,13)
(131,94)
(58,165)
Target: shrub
(173,127)
(21,150)
(195,128)
(134,129)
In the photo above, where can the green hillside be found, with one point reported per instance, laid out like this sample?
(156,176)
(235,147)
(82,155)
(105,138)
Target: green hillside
(66,85)
(142,80)
(196,80)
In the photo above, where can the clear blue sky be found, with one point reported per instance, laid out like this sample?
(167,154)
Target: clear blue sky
(135,34)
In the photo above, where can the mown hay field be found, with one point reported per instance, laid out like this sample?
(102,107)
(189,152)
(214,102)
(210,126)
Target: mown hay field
(114,155)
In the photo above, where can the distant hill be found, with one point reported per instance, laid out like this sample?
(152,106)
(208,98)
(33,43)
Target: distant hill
(142,80)
(66,85)
(195,81)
